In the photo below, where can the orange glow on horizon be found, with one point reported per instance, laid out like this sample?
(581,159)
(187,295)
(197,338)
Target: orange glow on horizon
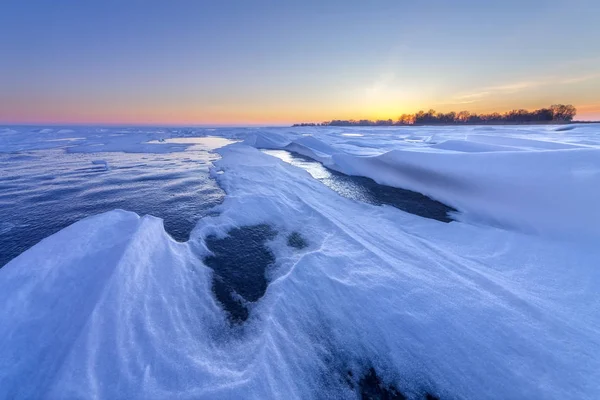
(251,116)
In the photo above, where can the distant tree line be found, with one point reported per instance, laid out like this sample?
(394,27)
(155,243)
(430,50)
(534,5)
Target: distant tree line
(557,113)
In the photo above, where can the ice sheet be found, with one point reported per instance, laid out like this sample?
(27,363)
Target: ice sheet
(112,307)
(529,182)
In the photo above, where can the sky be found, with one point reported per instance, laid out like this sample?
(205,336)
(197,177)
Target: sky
(251,62)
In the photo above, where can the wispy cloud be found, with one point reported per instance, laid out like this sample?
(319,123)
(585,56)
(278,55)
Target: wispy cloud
(471,96)
(451,103)
(516,87)
(488,91)
(580,79)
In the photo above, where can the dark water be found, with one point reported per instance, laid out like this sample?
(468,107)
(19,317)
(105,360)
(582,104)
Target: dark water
(296,240)
(371,387)
(240,261)
(44,191)
(367,190)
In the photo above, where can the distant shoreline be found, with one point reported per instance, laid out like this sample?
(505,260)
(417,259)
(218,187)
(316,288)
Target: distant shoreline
(555,114)
(454,124)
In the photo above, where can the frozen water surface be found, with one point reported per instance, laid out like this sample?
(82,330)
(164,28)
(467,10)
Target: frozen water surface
(43,191)
(278,286)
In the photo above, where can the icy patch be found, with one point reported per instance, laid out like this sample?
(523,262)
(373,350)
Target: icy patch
(112,307)
(207,142)
(91,140)
(102,163)
(352,134)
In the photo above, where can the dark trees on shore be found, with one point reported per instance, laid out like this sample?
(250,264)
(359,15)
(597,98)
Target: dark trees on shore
(556,113)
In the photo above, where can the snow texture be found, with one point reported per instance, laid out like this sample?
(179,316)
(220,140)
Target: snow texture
(502,305)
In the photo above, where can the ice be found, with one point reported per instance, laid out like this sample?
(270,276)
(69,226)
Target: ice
(472,146)
(103,163)
(503,305)
(530,185)
(554,193)
(520,142)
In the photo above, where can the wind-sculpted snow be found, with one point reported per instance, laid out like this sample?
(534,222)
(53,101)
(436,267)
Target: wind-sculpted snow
(112,307)
(353,294)
(535,186)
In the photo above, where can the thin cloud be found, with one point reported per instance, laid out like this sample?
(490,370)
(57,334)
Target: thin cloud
(451,103)
(580,79)
(516,87)
(472,96)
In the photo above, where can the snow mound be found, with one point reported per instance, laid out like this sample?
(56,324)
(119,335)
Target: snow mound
(262,141)
(310,147)
(529,185)
(102,163)
(112,307)
(521,142)
(471,146)
(555,193)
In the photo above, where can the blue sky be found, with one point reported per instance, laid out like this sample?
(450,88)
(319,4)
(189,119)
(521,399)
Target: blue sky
(286,61)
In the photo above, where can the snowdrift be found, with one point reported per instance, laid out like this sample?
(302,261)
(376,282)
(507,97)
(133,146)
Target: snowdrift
(112,307)
(533,186)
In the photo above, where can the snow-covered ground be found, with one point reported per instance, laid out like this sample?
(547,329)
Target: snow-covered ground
(502,303)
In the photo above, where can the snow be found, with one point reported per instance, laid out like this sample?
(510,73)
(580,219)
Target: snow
(530,185)
(520,143)
(500,305)
(102,163)
(471,146)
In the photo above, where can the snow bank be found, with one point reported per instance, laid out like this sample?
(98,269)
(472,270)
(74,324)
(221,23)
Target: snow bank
(534,186)
(471,146)
(102,163)
(520,142)
(550,193)
(112,307)
(99,299)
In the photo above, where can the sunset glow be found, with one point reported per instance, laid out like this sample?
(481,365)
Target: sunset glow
(268,63)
